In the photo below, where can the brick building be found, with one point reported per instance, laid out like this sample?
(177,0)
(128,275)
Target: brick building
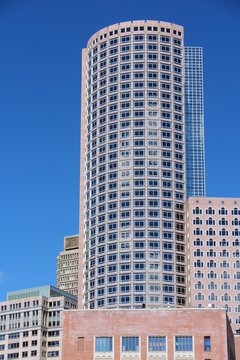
(190,334)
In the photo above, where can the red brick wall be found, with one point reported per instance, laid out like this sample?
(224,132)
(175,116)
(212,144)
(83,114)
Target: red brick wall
(168,322)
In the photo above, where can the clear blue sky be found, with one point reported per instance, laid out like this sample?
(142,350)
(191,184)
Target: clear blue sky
(40,45)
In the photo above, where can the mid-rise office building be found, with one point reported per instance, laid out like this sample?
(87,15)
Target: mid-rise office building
(31,323)
(133,167)
(194,120)
(213,237)
(67,265)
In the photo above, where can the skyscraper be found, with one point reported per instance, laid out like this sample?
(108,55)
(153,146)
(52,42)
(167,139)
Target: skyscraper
(194,119)
(133,167)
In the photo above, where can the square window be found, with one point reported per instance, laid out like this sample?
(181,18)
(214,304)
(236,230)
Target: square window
(103,344)
(130,343)
(157,343)
(183,343)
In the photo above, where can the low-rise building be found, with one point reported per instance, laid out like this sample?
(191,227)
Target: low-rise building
(160,334)
(31,323)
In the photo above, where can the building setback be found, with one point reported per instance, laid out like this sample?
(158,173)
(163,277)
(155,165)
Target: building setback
(191,334)
(67,265)
(213,237)
(31,323)
(132,186)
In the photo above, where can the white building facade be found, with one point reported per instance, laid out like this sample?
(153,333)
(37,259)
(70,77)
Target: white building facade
(31,323)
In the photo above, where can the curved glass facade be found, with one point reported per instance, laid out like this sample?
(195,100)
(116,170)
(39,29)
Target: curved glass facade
(133,167)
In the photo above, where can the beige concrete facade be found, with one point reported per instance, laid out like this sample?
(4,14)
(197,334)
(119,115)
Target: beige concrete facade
(67,265)
(190,334)
(213,235)
(132,181)
(31,323)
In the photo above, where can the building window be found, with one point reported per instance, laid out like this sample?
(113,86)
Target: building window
(130,343)
(207,343)
(157,343)
(103,344)
(183,343)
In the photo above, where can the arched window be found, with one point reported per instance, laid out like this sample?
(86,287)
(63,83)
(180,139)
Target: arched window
(197,221)
(236,232)
(237,297)
(228,308)
(224,264)
(222,211)
(236,222)
(198,242)
(235,211)
(197,231)
(212,275)
(237,286)
(212,297)
(236,253)
(198,263)
(197,210)
(224,242)
(211,242)
(212,285)
(223,232)
(210,211)
(210,232)
(224,253)
(223,221)
(200,296)
(236,242)
(199,285)
(210,221)
(225,275)
(211,253)
(237,275)
(225,286)
(237,264)
(211,263)
(225,297)
(198,252)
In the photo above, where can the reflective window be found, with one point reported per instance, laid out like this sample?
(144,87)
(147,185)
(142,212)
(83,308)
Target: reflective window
(103,344)
(183,343)
(157,343)
(130,343)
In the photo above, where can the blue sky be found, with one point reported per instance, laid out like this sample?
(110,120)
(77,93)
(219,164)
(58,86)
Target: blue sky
(40,66)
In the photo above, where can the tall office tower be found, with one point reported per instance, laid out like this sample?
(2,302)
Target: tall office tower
(67,265)
(133,167)
(194,122)
(214,258)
